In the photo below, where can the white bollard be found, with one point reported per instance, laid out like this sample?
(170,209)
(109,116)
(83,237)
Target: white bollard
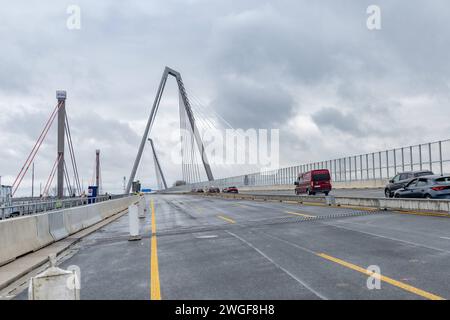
(133,223)
(142,207)
(55,284)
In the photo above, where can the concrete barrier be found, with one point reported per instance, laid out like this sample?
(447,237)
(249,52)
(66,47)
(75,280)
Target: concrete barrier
(397,204)
(43,237)
(358,202)
(423,205)
(263,197)
(356,184)
(92,215)
(18,236)
(415,205)
(108,208)
(75,219)
(22,235)
(57,226)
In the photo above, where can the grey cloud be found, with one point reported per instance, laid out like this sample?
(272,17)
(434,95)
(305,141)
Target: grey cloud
(329,117)
(247,105)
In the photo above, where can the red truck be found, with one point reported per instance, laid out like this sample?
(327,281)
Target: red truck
(312,182)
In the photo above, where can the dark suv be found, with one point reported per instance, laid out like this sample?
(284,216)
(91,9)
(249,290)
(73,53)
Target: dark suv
(402,179)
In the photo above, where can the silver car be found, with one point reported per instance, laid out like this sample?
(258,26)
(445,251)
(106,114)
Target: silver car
(429,187)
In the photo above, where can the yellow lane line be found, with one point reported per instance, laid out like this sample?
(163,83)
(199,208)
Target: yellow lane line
(227,219)
(357,208)
(301,214)
(340,206)
(391,281)
(424,213)
(318,204)
(155,288)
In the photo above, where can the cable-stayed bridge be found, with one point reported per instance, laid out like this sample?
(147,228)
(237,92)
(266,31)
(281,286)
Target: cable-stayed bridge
(263,243)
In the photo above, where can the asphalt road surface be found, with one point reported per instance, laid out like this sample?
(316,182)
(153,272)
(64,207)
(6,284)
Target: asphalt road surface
(209,248)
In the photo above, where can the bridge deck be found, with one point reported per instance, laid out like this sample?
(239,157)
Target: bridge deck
(223,249)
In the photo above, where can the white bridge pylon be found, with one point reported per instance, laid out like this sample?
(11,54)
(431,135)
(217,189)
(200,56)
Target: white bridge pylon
(193,127)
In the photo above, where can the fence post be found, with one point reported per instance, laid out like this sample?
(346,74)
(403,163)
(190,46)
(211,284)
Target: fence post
(367,165)
(411,158)
(420,156)
(373,165)
(395,162)
(381,166)
(429,154)
(440,157)
(335,170)
(345,169)
(350,167)
(403,159)
(361,166)
(387,163)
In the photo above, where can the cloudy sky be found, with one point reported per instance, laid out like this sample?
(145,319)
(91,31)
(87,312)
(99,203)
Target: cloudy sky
(310,68)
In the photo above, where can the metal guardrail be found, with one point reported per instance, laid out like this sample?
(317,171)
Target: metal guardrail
(434,156)
(22,208)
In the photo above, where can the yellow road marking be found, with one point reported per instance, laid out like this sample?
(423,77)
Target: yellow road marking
(155,288)
(391,281)
(227,219)
(314,204)
(356,208)
(318,204)
(301,214)
(424,213)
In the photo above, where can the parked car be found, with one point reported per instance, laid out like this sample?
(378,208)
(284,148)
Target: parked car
(200,190)
(213,190)
(402,179)
(193,190)
(429,187)
(312,182)
(230,190)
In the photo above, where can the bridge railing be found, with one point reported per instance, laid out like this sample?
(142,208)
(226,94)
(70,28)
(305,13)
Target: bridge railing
(44,205)
(381,165)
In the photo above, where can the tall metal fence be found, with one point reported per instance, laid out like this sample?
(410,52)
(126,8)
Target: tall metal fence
(434,156)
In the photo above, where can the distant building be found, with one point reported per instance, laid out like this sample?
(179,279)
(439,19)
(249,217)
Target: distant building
(5,195)
(179,183)
(136,186)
